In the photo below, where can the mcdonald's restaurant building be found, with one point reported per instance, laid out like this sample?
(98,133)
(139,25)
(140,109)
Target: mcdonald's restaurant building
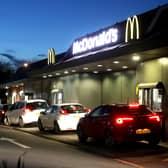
(123,63)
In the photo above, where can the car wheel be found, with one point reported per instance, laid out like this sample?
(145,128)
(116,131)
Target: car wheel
(81,137)
(40,125)
(109,140)
(153,141)
(6,121)
(21,123)
(56,128)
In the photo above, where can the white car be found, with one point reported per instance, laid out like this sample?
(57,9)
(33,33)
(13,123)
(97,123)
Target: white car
(61,117)
(25,112)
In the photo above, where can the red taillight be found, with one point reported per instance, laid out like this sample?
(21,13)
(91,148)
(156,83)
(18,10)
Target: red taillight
(27,110)
(2,112)
(63,112)
(88,110)
(122,119)
(155,117)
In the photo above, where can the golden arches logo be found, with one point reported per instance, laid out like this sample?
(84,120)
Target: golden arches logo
(132,29)
(51,56)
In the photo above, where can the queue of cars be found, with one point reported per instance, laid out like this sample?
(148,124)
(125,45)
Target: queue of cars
(112,123)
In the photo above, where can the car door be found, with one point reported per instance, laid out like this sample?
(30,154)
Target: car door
(45,117)
(16,112)
(11,113)
(98,122)
(51,116)
(90,123)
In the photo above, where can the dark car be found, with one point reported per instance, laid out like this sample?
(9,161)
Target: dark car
(3,109)
(118,123)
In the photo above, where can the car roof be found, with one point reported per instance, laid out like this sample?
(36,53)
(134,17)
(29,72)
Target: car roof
(32,100)
(35,100)
(66,104)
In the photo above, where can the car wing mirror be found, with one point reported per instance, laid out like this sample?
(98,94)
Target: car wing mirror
(43,113)
(87,115)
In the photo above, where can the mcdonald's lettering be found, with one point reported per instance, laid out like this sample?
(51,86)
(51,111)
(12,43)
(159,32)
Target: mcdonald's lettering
(101,39)
(132,29)
(51,56)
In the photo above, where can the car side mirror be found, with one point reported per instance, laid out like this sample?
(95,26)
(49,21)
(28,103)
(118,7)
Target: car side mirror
(43,113)
(87,115)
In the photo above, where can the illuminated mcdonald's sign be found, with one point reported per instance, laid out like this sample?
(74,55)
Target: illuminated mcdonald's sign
(51,56)
(132,29)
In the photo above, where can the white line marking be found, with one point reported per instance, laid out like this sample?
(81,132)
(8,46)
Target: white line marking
(128,163)
(14,142)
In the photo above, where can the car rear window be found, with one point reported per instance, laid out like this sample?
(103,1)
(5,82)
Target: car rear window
(141,110)
(36,105)
(1,107)
(74,108)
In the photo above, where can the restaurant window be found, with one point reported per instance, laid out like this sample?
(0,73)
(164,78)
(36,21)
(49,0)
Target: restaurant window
(151,94)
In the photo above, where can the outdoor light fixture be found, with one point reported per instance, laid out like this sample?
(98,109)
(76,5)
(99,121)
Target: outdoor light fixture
(116,62)
(124,67)
(25,65)
(163,61)
(95,72)
(50,75)
(99,65)
(109,69)
(73,70)
(57,74)
(136,58)
(44,76)
(85,68)
(66,72)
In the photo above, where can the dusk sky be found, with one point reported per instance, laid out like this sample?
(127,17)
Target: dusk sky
(28,28)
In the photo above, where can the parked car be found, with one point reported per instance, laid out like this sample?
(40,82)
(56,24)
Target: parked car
(61,117)
(118,123)
(3,109)
(25,112)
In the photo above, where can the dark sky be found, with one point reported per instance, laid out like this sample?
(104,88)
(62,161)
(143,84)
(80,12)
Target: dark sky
(28,28)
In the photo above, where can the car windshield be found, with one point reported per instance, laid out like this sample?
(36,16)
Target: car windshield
(1,107)
(74,108)
(36,105)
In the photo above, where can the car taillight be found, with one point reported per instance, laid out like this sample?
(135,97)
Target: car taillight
(155,118)
(64,112)
(88,110)
(26,110)
(2,112)
(121,120)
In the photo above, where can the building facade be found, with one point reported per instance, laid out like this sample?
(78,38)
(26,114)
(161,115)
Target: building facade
(123,63)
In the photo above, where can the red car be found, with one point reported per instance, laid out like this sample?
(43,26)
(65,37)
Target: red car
(118,123)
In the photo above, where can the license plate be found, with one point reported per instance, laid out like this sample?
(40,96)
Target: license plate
(143,131)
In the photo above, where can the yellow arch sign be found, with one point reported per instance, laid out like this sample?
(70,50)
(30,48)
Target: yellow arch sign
(51,56)
(132,29)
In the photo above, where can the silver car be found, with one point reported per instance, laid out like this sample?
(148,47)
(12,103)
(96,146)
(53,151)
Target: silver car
(61,117)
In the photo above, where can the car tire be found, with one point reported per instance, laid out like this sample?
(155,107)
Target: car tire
(40,125)
(108,139)
(81,137)
(21,123)
(56,128)
(6,121)
(153,141)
